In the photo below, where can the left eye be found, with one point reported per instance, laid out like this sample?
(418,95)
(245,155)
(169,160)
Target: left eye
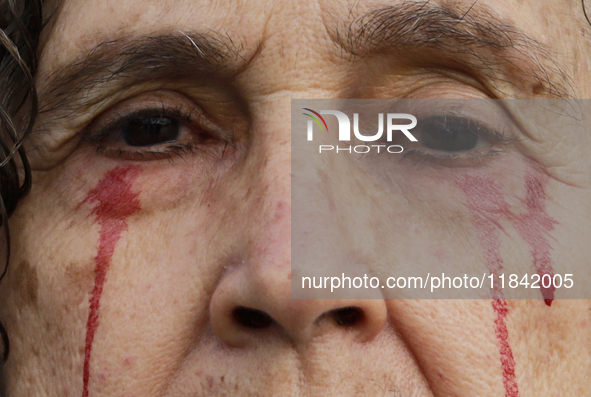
(450,133)
(150,131)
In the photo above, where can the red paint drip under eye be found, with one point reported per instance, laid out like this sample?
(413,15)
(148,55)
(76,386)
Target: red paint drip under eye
(507,359)
(533,227)
(487,207)
(115,202)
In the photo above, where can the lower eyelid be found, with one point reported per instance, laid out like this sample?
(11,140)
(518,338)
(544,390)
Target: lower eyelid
(163,152)
(473,158)
(189,142)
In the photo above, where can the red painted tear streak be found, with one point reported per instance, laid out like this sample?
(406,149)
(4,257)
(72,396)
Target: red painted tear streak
(533,227)
(487,207)
(507,359)
(115,202)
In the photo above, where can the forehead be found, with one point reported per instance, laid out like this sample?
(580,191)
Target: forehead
(293,35)
(81,24)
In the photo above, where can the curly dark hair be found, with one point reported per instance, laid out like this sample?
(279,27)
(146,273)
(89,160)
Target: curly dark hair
(20,26)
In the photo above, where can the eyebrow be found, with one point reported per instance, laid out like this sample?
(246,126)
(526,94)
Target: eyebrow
(496,51)
(131,59)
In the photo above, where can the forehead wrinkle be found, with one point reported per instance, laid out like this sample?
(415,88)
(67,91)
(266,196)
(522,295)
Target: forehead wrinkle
(294,57)
(498,51)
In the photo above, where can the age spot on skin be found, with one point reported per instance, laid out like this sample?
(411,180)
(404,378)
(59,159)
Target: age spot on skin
(27,281)
(114,202)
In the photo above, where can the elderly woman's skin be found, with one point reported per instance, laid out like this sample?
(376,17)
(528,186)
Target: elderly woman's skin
(126,272)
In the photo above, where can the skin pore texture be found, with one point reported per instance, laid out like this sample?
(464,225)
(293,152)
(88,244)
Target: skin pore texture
(129,262)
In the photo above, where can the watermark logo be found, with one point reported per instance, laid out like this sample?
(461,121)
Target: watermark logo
(392,126)
(310,125)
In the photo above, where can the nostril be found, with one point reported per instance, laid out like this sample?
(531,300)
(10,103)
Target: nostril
(347,316)
(252,318)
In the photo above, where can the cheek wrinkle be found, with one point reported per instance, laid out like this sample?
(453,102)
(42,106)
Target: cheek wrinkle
(114,202)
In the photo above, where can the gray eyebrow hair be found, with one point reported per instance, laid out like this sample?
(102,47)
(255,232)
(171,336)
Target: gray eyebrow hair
(132,59)
(497,51)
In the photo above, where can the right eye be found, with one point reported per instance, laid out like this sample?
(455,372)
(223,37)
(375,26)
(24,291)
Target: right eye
(149,133)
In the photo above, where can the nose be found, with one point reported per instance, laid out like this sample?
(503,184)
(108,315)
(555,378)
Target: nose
(253,300)
(252,303)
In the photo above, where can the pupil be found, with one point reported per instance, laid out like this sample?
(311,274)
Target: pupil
(449,133)
(150,131)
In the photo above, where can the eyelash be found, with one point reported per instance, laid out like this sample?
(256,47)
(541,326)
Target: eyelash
(168,152)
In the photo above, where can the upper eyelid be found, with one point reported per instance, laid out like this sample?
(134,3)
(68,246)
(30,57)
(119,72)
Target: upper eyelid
(499,134)
(489,113)
(125,102)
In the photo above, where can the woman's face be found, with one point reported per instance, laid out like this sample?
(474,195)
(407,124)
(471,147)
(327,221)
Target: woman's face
(160,212)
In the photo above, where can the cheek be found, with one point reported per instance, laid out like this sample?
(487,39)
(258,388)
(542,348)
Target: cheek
(89,201)
(448,334)
(428,200)
(45,296)
(94,265)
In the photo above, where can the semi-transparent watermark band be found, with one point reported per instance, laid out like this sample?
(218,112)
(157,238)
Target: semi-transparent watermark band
(440,198)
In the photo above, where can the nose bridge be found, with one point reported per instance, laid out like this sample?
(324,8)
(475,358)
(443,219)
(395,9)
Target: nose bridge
(271,230)
(300,205)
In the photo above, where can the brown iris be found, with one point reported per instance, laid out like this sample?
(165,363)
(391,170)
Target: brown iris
(150,131)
